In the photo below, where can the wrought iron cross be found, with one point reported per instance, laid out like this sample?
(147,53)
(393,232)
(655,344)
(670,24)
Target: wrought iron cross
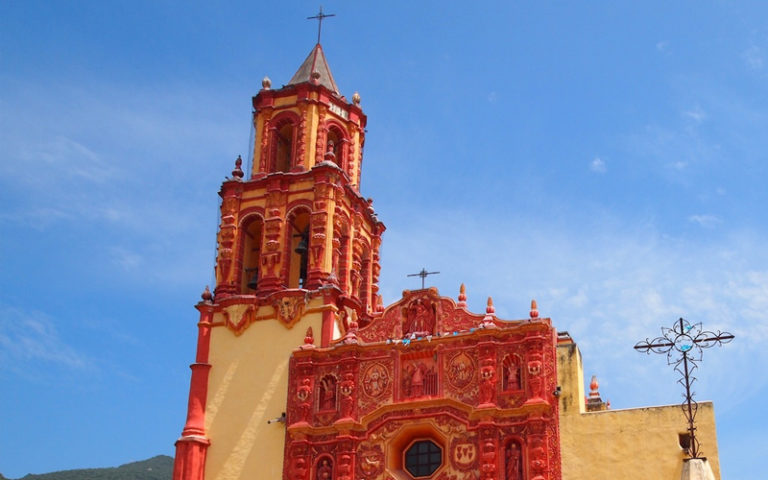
(319,17)
(683,344)
(423,274)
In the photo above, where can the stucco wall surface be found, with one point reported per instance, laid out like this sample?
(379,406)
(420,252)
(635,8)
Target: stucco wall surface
(248,386)
(636,443)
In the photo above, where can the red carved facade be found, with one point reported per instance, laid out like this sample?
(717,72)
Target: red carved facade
(427,369)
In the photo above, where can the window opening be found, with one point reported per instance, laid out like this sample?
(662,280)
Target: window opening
(423,458)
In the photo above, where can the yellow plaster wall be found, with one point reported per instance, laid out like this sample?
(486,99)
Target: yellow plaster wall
(637,443)
(248,385)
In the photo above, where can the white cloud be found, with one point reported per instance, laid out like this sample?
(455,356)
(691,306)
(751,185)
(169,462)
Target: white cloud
(696,114)
(29,341)
(126,259)
(707,221)
(597,165)
(679,165)
(608,283)
(753,57)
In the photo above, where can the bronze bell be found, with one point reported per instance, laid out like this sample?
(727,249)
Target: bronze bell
(253,283)
(302,247)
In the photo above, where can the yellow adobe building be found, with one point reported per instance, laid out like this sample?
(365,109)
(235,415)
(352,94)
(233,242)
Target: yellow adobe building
(635,443)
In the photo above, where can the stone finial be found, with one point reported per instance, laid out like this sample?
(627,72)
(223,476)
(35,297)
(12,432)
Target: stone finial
(266,83)
(309,339)
(238,171)
(489,314)
(351,336)
(462,296)
(207,296)
(356,99)
(593,387)
(379,303)
(534,309)
(594,402)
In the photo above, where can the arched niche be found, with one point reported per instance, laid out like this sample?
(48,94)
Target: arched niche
(282,141)
(250,252)
(298,247)
(513,460)
(323,468)
(511,377)
(327,391)
(336,144)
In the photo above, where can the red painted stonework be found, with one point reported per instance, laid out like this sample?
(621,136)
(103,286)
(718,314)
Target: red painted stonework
(191,448)
(448,387)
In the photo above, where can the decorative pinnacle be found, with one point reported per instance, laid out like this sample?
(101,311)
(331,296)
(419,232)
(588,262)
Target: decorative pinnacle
(356,99)
(238,172)
(207,296)
(489,314)
(593,386)
(309,339)
(462,296)
(534,309)
(266,83)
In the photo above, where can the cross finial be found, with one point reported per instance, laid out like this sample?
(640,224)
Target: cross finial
(683,344)
(319,17)
(423,274)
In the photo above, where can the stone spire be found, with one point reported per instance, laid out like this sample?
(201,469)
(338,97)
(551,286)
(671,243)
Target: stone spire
(315,70)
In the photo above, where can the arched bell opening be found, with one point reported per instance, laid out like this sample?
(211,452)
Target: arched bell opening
(298,244)
(336,146)
(365,283)
(250,253)
(282,144)
(340,261)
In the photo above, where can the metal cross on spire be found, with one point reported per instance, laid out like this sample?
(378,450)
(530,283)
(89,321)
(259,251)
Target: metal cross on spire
(683,344)
(319,17)
(423,274)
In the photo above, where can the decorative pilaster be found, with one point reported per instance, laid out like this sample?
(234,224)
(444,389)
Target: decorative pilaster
(192,446)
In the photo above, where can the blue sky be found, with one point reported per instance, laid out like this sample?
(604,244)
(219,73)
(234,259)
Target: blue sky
(608,160)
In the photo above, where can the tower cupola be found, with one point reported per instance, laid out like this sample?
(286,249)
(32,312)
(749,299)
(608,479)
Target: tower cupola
(299,222)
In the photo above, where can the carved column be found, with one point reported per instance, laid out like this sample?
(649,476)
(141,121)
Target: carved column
(488,453)
(270,259)
(320,141)
(226,277)
(298,464)
(263,148)
(488,377)
(345,459)
(301,142)
(318,220)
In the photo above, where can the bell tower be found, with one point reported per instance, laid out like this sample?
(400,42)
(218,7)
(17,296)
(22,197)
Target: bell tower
(297,264)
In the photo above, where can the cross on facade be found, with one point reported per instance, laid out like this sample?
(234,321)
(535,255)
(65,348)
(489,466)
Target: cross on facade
(683,344)
(423,274)
(319,17)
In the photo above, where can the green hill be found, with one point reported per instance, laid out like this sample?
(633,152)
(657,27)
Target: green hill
(155,468)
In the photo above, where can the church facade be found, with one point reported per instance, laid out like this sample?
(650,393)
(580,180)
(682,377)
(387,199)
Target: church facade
(301,372)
